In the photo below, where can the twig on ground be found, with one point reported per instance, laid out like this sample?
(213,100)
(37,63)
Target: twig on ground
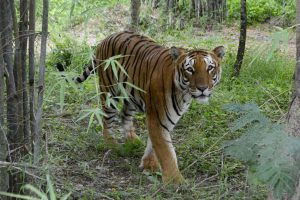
(14,164)
(104,157)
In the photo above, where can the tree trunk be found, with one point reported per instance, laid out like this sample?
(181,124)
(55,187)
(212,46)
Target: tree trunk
(18,70)
(38,133)
(6,21)
(293,117)
(31,67)
(192,8)
(3,140)
(171,13)
(135,12)
(242,41)
(14,138)
(213,10)
(23,32)
(155,4)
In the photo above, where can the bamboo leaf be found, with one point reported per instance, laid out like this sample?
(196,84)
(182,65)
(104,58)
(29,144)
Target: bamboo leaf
(65,197)
(114,69)
(36,191)
(135,87)
(122,68)
(84,116)
(90,121)
(18,196)
(123,91)
(107,63)
(62,96)
(50,188)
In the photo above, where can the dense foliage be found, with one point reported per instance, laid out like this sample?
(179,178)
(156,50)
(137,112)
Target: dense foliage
(283,12)
(271,155)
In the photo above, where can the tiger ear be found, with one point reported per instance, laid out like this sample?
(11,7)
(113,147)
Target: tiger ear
(219,51)
(174,53)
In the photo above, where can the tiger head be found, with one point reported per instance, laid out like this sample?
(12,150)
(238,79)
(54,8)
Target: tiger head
(198,71)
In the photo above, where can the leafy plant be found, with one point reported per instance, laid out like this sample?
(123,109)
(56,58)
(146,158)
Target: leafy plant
(262,10)
(49,194)
(272,156)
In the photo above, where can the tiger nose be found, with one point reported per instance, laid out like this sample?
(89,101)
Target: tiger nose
(202,88)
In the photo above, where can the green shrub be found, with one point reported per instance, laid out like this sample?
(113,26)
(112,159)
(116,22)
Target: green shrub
(263,10)
(271,155)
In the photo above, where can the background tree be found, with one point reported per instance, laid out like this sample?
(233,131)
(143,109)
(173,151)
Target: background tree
(17,127)
(293,117)
(242,41)
(3,140)
(213,10)
(135,12)
(41,83)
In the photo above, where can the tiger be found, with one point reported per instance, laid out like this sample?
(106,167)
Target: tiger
(168,78)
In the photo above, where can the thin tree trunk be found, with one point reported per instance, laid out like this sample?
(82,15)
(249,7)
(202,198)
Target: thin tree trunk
(12,126)
(135,12)
(192,8)
(37,144)
(10,82)
(17,41)
(224,11)
(156,4)
(242,40)
(18,70)
(3,140)
(171,13)
(23,32)
(293,117)
(31,66)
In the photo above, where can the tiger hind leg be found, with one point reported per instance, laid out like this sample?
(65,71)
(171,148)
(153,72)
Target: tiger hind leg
(108,120)
(127,114)
(149,160)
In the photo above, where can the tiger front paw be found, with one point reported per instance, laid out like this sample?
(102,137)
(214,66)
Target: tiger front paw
(109,139)
(175,178)
(149,163)
(131,135)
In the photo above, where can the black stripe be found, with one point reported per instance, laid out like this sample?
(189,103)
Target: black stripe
(108,118)
(85,75)
(174,100)
(78,79)
(164,96)
(160,122)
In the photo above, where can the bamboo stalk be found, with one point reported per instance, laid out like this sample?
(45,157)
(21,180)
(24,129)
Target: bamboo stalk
(11,104)
(31,67)
(17,72)
(3,142)
(8,59)
(242,40)
(23,32)
(37,146)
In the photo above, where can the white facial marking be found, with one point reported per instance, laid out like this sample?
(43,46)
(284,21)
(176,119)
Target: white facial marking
(210,65)
(189,65)
(202,100)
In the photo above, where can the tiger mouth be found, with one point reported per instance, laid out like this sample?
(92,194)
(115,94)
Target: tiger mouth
(201,96)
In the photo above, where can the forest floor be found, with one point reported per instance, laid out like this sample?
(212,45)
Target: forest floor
(82,163)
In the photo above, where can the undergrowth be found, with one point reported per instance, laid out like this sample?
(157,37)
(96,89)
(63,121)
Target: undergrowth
(272,156)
